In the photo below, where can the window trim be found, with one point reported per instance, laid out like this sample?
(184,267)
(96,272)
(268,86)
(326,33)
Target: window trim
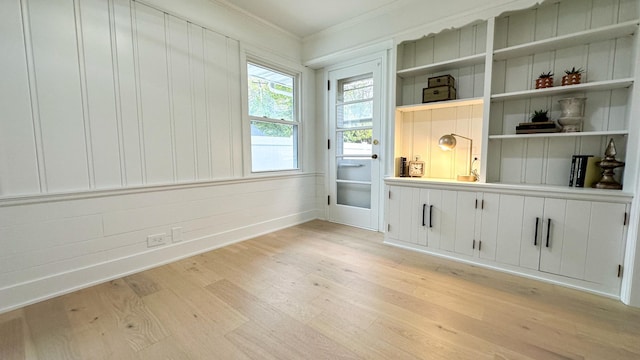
(288,68)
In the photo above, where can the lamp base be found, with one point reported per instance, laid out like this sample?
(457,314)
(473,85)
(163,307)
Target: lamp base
(467,178)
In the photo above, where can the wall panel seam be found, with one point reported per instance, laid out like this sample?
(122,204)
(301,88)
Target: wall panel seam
(134,30)
(170,93)
(115,69)
(33,94)
(84,94)
(231,170)
(194,129)
(207,103)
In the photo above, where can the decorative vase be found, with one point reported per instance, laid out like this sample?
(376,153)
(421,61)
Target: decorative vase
(571,79)
(542,83)
(607,165)
(572,114)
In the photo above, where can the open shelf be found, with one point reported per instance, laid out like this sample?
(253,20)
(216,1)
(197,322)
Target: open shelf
(443,65)
(565,41)
(591,86)
(440,105)
(559,134)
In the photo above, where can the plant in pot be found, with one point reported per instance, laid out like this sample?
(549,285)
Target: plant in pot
(572,76)
(540,116)
(545,80)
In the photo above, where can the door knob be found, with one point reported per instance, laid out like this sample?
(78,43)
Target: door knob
(374,156)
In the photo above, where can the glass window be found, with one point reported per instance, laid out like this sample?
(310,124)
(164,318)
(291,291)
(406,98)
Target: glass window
(273,116)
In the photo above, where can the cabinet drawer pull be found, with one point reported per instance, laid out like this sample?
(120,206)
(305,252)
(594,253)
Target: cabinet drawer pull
(430,216)
(548,231)
(535,235)
(424,207)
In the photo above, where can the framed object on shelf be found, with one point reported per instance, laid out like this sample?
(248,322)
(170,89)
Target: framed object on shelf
(416,168)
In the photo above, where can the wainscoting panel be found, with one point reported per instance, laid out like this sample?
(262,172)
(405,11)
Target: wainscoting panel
(68,242)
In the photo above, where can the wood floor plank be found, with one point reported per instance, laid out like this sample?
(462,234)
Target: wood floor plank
(133,318)
(50,330)
(289,332)
(322,291)
(12,343)
(141,284)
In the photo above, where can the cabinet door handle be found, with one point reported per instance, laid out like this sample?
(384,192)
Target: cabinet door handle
(535,235)
(480,245)
(548,231)
(474,245)
(424,207)
(430,216)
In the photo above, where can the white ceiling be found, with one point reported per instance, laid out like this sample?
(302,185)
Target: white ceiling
(306,17)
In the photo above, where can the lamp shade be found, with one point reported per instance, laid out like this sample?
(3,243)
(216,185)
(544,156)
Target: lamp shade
(447,142)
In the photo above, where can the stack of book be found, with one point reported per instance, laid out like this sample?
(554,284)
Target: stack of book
(585,171)
(536,127)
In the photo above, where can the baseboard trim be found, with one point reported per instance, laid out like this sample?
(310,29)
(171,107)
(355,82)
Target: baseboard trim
(26,293)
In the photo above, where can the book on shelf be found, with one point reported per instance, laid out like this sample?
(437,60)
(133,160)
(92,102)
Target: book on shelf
(539,124)
(584,170)
(536,127)
(536,131)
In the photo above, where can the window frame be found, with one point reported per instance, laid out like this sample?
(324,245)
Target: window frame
(287,68)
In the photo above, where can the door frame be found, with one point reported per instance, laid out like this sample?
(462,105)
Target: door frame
(385,126)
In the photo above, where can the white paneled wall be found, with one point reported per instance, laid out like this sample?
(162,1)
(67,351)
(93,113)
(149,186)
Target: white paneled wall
(119,121)
(61,244)
(108,94)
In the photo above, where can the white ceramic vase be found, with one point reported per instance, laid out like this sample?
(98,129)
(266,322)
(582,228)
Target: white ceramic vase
(572,113)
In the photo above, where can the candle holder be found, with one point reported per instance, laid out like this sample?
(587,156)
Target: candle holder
(607,165)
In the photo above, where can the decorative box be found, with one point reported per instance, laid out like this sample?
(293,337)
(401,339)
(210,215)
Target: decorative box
(438,93)
(444,80)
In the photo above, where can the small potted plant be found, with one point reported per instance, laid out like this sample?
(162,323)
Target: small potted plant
(545,80)
(540,116)
(572,76)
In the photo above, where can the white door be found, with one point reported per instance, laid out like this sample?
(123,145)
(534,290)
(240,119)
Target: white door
(354,144)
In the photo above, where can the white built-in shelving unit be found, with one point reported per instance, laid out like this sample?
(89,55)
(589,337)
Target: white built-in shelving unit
(495,64)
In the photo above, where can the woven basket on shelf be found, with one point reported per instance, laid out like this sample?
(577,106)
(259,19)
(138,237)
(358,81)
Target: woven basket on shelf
(571,79)
(542,83)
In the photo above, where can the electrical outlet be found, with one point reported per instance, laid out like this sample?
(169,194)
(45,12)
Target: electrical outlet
(156,240)
(176,234)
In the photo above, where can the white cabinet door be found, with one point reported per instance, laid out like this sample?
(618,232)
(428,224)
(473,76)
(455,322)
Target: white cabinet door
(605,246)
(445,220)
(394,212)
(429,222)
(465,219)
(407,207)
(510,229)
(532,234)
(565,232)
(488,226)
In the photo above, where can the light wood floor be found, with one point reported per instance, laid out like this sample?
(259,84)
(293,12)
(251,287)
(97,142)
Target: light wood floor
(321,291)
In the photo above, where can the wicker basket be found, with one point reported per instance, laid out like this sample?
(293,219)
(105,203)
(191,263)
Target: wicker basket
(542,83)
(571,79)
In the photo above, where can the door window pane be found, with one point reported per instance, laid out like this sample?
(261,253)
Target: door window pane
(358,195)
